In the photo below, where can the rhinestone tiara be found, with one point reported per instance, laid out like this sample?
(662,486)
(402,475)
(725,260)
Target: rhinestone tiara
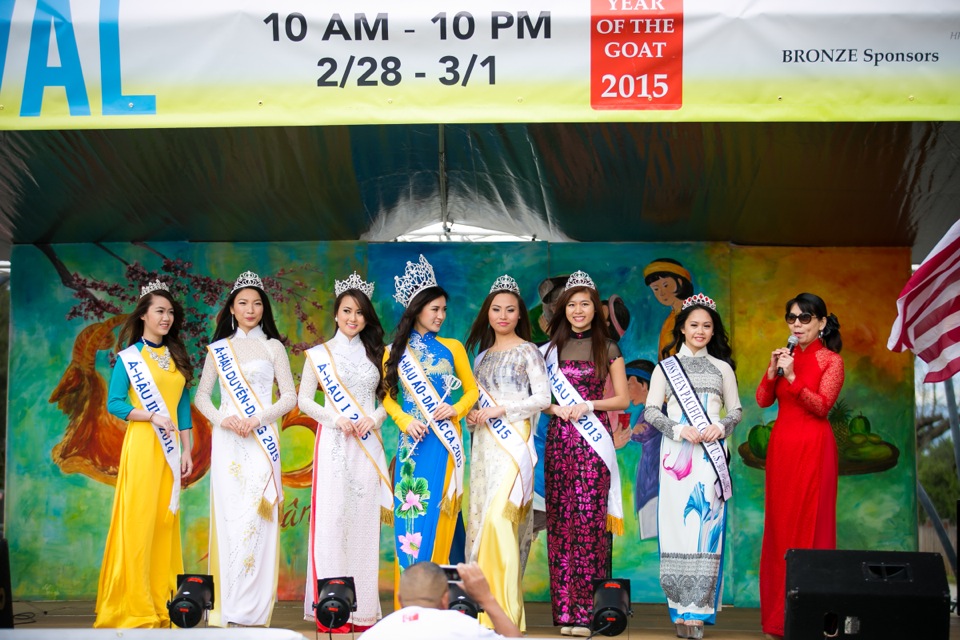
(248,279)
(579,279)
(699,300)
(505,283)
(156,285)
(417,277)
(353,282)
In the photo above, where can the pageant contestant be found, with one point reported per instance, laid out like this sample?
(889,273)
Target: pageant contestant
(245,484)
(694,477)
(424,369)
(580,464)
(143,557)
(512,380)
(802,460)
(352,493)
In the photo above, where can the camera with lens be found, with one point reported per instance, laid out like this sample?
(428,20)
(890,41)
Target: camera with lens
(459,600)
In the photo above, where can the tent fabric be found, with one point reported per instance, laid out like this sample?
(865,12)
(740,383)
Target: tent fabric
(801,184)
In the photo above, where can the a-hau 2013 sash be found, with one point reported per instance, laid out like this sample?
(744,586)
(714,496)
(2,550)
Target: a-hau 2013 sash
(417,384)
(521,451)
(147,392)
(336,393)
(698,419)
(592,430)
(247,404)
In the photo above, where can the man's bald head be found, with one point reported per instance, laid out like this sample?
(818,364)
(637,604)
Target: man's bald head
(424,584)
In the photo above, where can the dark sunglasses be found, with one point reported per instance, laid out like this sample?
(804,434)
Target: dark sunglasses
(804,318)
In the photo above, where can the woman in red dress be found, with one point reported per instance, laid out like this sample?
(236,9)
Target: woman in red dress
(802,462)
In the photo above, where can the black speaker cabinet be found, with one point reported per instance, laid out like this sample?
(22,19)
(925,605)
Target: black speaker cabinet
(866,595)
(6,594)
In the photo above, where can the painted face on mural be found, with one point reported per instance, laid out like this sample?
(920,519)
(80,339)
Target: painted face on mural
(580,311)
(665,290)
(805,333)
(158,319)
(350,320)
(504,314)
(697,330)
(247,308)
(432,316)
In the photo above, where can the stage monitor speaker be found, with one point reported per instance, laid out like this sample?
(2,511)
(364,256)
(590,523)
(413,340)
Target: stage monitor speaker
(6,593)
(866,595)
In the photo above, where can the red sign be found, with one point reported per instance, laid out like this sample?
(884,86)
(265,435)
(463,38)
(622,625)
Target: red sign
(636,54)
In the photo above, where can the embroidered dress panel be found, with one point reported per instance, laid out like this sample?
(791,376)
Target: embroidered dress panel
(345,508)
(243,543)
(691,516)
(499,536)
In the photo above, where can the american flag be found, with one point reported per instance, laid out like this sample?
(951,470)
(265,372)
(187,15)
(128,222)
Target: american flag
(928,310)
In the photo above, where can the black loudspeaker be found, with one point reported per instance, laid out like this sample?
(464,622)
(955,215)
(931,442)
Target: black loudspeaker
(6,594)
(866,595)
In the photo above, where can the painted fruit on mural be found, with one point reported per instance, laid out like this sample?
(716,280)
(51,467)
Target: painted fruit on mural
(861,451)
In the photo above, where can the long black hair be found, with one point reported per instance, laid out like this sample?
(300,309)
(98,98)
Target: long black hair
(481,333)
(560,329)
(372,334)
(132,331)
(401,336)
(719,345)
(814,304)
(225,321)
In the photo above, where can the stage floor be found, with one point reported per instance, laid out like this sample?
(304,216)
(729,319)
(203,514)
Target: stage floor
(650,620)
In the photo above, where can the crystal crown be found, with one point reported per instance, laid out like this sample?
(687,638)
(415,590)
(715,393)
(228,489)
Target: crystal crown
(248,279)
(156,285)
(505,283)
(417,277)
(579,279)
(699,300)
(353,282)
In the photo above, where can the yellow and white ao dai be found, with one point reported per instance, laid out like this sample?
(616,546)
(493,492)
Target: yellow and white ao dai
(244,546)
(499,534)
(345,515)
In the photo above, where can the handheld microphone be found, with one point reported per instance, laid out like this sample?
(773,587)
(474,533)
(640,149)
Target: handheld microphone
(791,343)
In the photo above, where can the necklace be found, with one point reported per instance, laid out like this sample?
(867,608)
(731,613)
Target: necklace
(162,359)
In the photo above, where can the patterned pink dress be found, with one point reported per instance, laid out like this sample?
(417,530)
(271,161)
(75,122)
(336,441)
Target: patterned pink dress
(577,483)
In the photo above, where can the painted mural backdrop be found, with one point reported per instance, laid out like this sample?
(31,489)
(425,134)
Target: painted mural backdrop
(68,301)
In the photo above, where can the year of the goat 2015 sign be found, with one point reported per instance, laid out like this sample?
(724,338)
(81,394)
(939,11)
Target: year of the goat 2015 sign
(181,63)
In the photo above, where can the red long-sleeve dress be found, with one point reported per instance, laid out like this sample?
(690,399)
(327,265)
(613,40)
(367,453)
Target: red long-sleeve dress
(802,468)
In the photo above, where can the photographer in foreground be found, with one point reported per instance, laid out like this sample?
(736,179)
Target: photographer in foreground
(425,598)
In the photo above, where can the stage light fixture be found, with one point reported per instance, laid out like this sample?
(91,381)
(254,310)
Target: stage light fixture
(336,599)
(611,606)
(193,598)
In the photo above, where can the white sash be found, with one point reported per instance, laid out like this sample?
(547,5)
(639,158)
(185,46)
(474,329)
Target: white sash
(146,390)
(592,430)
(693,410)
(247,404)
(418,386)
(336,393)
(521,451)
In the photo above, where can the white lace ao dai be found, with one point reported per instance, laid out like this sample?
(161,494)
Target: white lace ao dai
(345,513)
(243,545)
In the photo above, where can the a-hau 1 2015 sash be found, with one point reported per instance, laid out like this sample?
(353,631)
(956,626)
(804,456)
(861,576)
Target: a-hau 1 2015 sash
(147,392)
(698,419)
(417,384)
(247,405)
(338,395)
(521,451)
(592,430)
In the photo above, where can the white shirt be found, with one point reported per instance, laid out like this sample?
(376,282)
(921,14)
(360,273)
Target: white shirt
(418,623)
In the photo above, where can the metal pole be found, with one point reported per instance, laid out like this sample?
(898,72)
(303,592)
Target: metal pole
(954,422)
(938,525)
